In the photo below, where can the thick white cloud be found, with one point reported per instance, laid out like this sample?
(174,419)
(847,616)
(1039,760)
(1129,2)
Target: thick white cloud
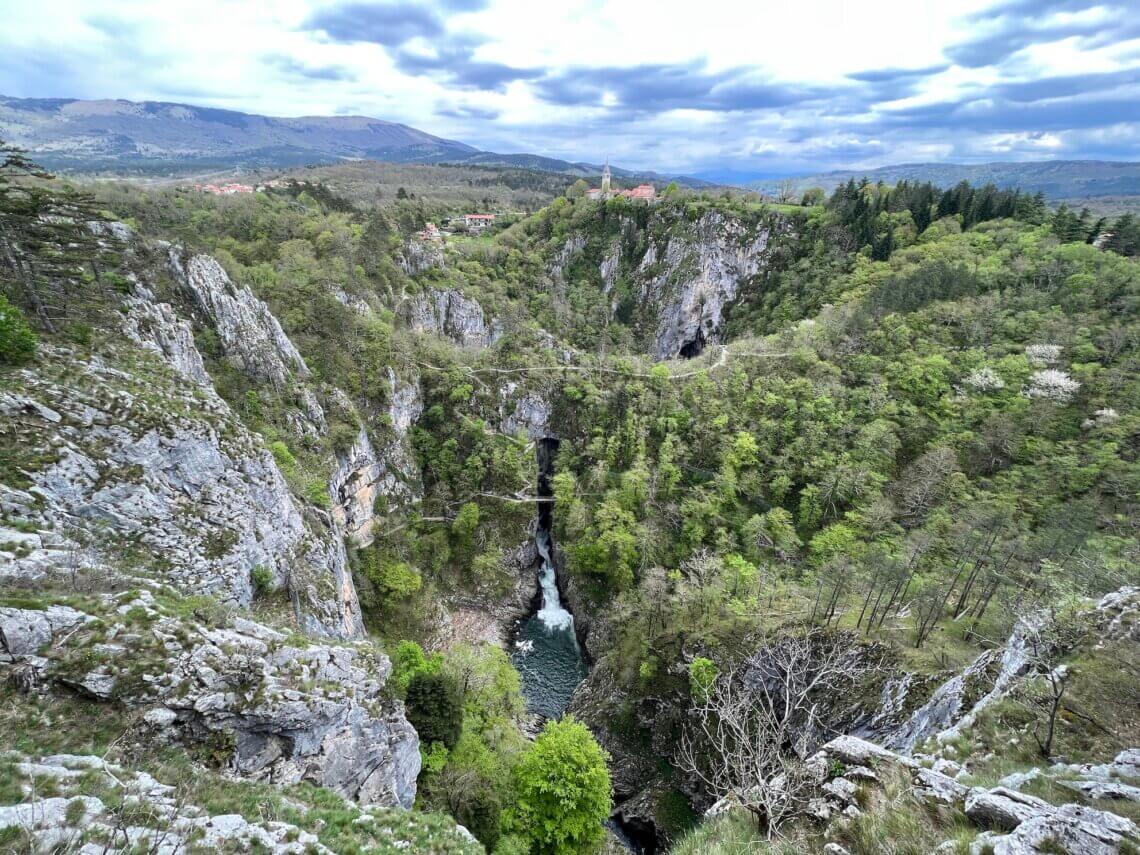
(770,85)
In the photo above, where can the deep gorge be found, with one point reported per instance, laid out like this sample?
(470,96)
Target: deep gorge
(545,649)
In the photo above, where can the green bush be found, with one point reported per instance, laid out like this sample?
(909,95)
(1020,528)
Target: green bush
(435,708)
(283,455)
(317,492)
(262,579)
(564,791)
(17,341)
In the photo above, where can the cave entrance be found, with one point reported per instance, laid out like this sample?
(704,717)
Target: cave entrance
(694,346)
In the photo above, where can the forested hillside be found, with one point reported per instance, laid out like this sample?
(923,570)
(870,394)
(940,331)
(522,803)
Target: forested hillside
(879,448)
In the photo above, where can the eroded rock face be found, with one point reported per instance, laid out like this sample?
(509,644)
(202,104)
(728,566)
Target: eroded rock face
(250,335)
(296,713)
(449,314)
(365,472)
(419,256)
(529,413)
(693,279)
(156,327)
(142,461)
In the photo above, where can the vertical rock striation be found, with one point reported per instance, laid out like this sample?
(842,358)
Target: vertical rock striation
(250,335)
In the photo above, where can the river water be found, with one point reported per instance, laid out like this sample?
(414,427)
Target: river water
(545,650)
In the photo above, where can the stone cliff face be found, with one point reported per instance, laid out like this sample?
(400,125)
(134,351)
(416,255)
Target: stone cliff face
(365,473)
(684,274)
(154,326)
(529,413)
(694,277)
(131,456)
(290,713)
(419,256)
(447,313)
(250,335)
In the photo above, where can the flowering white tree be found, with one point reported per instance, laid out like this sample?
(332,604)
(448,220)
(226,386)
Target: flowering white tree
(1043,354)
(1052,384)
(984,380)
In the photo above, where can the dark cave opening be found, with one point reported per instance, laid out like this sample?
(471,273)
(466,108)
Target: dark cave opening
(694,346)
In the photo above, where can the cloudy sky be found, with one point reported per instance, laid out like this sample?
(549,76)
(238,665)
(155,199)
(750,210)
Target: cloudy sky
(769,86)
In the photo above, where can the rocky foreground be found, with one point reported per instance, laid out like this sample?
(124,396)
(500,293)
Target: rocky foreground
(853,772)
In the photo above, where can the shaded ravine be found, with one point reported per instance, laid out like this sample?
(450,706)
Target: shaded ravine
(546,651)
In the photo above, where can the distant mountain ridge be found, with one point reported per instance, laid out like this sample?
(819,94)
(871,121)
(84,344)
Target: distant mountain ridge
(158,137)
(1057,179)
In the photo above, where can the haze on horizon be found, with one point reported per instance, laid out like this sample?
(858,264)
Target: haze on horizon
(766,87)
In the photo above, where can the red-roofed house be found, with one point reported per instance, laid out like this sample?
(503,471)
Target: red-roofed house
(478,221)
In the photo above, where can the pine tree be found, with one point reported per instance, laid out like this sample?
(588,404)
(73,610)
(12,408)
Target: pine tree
(47,243)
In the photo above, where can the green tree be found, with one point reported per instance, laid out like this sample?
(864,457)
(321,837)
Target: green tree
(47,240)
(563,791)
(17,341)
(435,708)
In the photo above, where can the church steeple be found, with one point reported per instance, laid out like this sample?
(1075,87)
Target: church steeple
(606,178)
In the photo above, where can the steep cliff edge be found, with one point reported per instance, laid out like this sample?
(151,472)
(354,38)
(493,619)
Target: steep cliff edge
(671,274)
(131,467)
(277,708)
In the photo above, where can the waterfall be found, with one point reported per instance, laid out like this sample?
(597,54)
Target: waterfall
(552,614)
(546,651)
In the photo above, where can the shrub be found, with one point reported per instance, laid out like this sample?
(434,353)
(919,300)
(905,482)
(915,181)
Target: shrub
(317,492)
(435,708)
(262,579)
(17,341)
(702,674)
(408,660)
(282,455)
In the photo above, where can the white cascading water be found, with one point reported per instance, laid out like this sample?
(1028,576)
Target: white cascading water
(546,651)
(552,615)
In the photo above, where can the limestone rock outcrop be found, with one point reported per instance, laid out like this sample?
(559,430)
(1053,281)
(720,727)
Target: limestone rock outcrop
(156,327)
(694,277)
(250,335)
(134,461)
(419,256)
(366,472)
(1016,823)
(287,712)
(449,314)
(529,413)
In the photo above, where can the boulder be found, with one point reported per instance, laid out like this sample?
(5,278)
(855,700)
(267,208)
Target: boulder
(1003,808)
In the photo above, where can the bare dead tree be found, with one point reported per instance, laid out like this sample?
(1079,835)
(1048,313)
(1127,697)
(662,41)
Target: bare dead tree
(1048,639)
(750,732)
